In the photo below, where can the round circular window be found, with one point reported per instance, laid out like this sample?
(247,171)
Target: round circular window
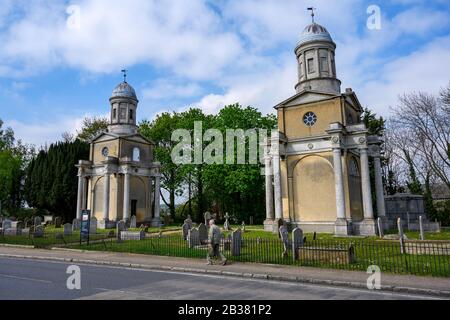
(310,119)
(105,151)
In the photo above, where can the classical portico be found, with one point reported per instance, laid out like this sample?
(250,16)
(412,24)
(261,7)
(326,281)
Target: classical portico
(317,165)
(121,178)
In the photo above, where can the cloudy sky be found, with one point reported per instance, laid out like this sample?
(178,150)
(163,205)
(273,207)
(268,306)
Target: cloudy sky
(60,60)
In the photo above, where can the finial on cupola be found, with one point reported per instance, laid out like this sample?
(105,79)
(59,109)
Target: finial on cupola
(124,71)
(312,13)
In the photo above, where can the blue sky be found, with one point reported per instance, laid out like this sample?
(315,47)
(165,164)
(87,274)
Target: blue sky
(58,67)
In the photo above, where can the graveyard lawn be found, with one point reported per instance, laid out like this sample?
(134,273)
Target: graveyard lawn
(269,250)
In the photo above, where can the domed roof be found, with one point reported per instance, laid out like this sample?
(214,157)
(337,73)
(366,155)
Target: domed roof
(314,32)
(124,90)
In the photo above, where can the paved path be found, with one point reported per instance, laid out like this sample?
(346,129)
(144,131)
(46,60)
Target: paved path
(32,279)
(390,282)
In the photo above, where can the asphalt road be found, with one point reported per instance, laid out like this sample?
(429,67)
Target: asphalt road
(30,279)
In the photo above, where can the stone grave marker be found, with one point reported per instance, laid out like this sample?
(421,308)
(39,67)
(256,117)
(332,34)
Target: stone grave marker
(58,222)
(75,225)
(202,233)
(207,217)
(400,234)
(186,229)
(243,226)
(37,221)
(284,235)
(193,238)
(132,235)
(93,225)
(422,234)
(16,224)
(380,227)
(236,243)
(67,229)
(133,224)
(38,231)
(226,225)
(121,226)
(297,241)
(7,224)
(188,221)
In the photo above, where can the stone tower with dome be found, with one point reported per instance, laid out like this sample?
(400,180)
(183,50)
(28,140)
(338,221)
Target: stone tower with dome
(121,179)
(317,168)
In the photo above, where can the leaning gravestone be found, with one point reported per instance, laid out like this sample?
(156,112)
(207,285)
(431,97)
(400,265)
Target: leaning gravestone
(193,238)
(202,233)
(38,231)
(297,241)
(133,224)
(236,243)
(58,222)
(284,235)
(67,229)
(121,226)
(186,229)
(75,225)
(37,221)
(93,225)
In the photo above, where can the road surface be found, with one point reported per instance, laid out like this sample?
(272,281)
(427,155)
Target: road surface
(30,279)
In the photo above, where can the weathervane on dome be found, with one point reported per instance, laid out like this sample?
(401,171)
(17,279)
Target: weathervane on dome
(124,71)
(312,13)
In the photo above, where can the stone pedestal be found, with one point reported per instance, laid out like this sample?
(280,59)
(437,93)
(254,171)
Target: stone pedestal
(341,227)
(156,222)
(367,227)
(106,224)
(269,225)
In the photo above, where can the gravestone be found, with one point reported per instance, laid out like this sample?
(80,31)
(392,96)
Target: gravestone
(38,231)
(251,221)
(67,229)
(48,219)
(422,234)
(202,233)
(188,221)
(121,226)
(284,235)
(236,243)
(58,222)
(16,224)
(12,232)
(186,229)
(207,217)
(297,241)
(75,225)
(37,221)
(243,226)
(401,236)
(226,225)
(93,225)
(7,224)
(193,238)
(132,235)
(133,224)
(380,228)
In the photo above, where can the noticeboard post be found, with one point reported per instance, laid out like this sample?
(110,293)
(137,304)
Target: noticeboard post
(85,226)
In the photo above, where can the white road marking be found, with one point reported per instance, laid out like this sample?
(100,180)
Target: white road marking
(24,278)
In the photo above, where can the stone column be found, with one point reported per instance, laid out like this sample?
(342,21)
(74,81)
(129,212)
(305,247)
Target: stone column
(79,195)
(106,197)
(379,188)
(150,196)
(341,225)
(368,225)
(126,196)
(85,196)
(268,223)
(277,186)
(156,219)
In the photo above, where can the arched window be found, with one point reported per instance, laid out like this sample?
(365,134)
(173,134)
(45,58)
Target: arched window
(136,154)
(353,168)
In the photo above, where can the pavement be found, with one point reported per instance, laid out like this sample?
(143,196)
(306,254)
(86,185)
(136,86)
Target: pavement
(400,285)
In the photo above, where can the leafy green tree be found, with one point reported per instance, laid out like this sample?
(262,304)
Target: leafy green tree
(91,128)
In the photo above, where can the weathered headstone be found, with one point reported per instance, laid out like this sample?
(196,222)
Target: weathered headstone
(193,238)
(202,233)
(67,229)
(188,221)
(243,226)
(380,228)
(133,224)
(297,241)
(186,229)
(38,231)
(236,243)
(422,234)
(284,235)
(93,225)
(121,226)
(58,222)
(132,235)
(400,234)
(226,225)
(75,225)
(37,221)
(207,217)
